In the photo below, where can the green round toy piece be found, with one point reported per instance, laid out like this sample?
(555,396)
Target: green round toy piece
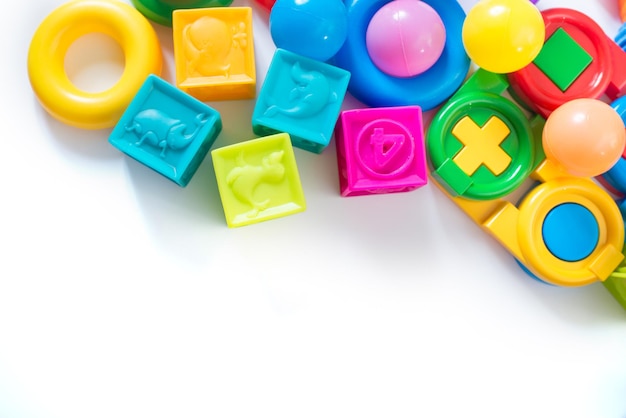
(160,11)
(516,149)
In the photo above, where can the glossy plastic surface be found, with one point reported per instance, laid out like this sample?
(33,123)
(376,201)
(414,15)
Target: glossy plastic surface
(565,242)
(480,144)
(267,4)
(380,150)
(167,130)
(258,180)
(214,53)
(160,11)
(601,260)
(60,29)
(521,229)
(302,97)
(503,36)
(585,136)
(616,175)
(405,38)
(561,47)
(427,90)
(311,28)
(606,74)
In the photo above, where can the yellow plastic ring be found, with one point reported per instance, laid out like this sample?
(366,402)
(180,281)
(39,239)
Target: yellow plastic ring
(534,209)
(51,41)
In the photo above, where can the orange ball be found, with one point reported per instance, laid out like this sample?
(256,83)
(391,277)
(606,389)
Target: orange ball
(585,136)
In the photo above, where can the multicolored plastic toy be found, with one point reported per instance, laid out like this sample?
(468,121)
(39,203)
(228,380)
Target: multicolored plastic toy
(405,38)
(565,231)
(302,97)
(596,65)
(167,130)
(60,29)
(482,147)
(480,144)
(258,180)
(428,89)
(214,53)
(160,11)
(380,150)
(503,36)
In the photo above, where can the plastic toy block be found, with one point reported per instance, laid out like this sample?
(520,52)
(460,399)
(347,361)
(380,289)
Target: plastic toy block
(540,89)
(167,130)
(258,180)
(214,53)
(480,144)
(302,97)
(380,150)
(560,48)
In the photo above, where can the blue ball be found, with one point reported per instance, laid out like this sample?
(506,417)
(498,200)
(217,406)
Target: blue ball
(313,28)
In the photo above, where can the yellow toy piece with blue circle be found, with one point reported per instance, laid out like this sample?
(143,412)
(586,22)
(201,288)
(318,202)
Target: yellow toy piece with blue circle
(565,231)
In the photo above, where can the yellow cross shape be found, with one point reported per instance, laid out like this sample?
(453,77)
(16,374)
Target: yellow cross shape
(481,145)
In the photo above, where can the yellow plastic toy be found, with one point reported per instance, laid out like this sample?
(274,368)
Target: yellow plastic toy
(503,36)
(51,41)
(521,229)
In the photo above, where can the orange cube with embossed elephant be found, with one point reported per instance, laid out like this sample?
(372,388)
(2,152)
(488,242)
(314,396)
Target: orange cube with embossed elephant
(214,53)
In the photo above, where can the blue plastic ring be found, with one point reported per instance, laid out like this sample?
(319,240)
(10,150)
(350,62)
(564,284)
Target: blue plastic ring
(427,90)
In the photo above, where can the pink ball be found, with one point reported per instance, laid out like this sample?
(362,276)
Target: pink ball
(405,38)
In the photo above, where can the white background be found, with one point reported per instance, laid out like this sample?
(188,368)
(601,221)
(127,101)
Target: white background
(123,295)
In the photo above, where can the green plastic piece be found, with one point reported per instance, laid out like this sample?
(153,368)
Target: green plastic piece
(452,178)
(562,59)
(258,180)
(480,99)
(160,11)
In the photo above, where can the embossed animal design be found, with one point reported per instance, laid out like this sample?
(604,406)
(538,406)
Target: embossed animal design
(154,127)
(244,179)
(310,95)
(207,44)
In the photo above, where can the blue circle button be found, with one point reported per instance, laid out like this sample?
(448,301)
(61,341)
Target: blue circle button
(571,232)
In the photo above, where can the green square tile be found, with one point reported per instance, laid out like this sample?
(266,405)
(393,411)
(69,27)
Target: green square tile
(258,180)
(562,59)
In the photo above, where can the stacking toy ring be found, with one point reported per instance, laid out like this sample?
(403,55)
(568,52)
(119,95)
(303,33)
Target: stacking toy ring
(428,89)
(51,41)
(606,245)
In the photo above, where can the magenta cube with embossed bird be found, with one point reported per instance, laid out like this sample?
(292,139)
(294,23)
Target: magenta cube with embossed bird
(381,150)
(302,97)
